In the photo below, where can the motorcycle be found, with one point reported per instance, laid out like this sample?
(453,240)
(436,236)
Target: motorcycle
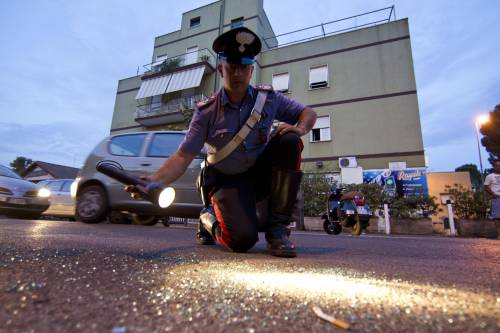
(346,210)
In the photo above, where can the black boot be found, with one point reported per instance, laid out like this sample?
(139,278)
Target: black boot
(286,184)
(206,226)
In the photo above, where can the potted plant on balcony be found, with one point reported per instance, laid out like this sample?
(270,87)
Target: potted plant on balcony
(170,64)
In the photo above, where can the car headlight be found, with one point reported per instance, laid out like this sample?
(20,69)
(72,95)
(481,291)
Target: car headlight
(74,187)
(43,193)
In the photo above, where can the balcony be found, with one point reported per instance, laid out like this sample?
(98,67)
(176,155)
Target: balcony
(175,74)
(173,111)
(180,62)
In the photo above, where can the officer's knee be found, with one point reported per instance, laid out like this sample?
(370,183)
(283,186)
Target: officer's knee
(290,139)
(243,241)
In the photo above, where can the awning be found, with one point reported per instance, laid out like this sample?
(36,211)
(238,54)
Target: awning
(153,87)
(188,78)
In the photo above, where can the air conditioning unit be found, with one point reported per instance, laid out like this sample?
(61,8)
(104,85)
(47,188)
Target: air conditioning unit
(348,162)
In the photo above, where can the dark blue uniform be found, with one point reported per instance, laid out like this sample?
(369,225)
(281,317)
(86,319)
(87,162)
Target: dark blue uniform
(217,120)
(245,176)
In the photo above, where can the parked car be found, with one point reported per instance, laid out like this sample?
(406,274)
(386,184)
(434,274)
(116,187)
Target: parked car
(20,198)
(61,202)
(99,197)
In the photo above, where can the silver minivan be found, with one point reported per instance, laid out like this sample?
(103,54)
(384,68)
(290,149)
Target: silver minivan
(99,197)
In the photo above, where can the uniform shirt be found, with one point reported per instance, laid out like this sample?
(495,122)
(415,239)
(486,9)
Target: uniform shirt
(218,120)
(493,181)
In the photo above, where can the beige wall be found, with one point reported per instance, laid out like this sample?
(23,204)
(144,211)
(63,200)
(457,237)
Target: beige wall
(437,181)
(376,125)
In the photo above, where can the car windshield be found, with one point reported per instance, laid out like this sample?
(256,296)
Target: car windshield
(6,172)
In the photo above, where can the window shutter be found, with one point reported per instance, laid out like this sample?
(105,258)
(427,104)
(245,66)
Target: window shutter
(325,134)
(322,122)
(280,82)
(318,76)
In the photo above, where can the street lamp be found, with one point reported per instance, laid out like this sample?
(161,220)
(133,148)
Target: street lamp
(480,120)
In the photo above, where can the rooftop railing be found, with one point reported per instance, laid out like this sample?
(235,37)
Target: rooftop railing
(322,30)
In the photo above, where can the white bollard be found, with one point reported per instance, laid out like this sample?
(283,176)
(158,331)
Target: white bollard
(453,231)
(387,221)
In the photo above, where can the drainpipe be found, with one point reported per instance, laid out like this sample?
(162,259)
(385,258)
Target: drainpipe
(221,29)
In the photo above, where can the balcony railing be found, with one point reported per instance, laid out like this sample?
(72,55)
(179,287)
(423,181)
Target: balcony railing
(172,63)
(174,105)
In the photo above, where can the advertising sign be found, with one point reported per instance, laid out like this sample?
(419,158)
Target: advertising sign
(406,182)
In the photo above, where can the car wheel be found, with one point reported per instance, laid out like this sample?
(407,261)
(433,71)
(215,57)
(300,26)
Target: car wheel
(117,217)
(141,219)
(91,204)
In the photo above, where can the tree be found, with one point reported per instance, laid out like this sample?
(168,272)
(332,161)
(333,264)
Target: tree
(475,175)
(491,132)
(20,164)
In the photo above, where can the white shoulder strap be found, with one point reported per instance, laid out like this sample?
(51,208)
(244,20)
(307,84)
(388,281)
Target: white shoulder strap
(253,119)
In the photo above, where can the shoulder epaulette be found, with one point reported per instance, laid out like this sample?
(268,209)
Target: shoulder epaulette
(264,87)
(205,102)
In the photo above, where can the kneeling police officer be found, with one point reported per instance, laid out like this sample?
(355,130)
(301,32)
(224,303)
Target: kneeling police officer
(246,163)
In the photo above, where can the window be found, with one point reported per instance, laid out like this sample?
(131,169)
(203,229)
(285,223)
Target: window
(195,21)
(127,145)
(191,55)
(155,103)
(321,130)
(280,82)
(55,185)
(318,77)
(6,172)
(237,22)
(165,144)
(66,186)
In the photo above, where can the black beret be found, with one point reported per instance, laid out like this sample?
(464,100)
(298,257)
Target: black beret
(238,46)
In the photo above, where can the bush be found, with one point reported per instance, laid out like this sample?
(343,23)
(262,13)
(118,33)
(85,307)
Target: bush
(315,188)
(467,204)
(414,207)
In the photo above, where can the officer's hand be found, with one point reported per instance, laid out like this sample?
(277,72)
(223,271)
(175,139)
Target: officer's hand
(133,191)
(284,128)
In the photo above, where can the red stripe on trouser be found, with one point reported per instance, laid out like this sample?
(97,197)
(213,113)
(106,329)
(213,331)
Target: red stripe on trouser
(224,238)
(299,160)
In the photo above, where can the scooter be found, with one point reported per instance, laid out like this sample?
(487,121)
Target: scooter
(346,210)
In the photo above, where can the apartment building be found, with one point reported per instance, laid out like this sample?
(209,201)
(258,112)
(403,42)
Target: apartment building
(360,81)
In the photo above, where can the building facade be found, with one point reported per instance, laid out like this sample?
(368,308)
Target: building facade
(360,82)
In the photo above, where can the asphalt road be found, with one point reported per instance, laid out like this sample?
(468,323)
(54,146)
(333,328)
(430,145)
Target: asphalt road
(58,276)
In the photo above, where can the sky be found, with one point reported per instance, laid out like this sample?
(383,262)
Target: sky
(60,62)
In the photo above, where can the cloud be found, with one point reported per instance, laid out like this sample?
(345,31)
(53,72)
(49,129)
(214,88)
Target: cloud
(60,143)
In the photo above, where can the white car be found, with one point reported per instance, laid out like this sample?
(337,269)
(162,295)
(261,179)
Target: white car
(61,202)
(99,197)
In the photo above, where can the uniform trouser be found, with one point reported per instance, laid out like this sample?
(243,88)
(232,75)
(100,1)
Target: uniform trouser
(235,198)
